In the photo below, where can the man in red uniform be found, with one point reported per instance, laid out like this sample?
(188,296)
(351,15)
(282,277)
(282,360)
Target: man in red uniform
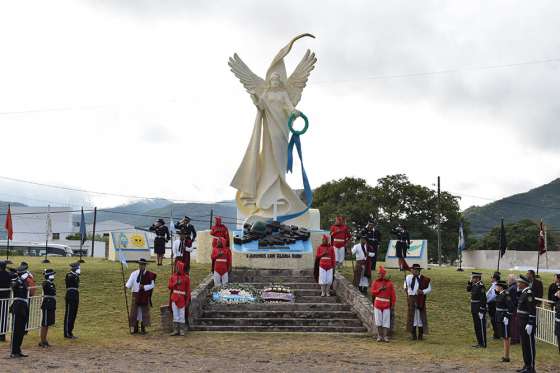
(180,287)
(325,262)
(384,299)
(221,261)
(219,230)
(340,236)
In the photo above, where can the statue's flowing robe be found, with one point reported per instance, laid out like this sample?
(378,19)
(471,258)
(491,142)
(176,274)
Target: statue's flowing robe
(261,177)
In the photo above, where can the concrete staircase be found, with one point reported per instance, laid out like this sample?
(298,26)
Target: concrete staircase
(309,313)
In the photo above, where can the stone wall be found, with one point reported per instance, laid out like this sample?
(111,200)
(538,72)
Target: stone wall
(198,299)
(360,304)
(488,259)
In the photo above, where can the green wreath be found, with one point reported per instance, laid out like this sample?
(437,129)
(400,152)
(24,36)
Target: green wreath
(293,117)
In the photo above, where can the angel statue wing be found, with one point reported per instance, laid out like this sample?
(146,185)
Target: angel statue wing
(249,79)
(298,79)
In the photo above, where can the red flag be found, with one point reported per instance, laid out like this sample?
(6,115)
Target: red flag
(542,245)
(8,225)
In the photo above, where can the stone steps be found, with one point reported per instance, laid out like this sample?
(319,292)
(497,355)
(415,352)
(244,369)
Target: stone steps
(291,285)
(280,314)
(280,329)
(280,307)
(277,321)
(316,299)
(278,280)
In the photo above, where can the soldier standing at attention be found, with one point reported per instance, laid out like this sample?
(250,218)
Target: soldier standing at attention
(478,308)
(72,299)
(48,306)
(503,316)
(527,312)
(19,310)
(340,236)
(557,318)
(5,283)
(162,236)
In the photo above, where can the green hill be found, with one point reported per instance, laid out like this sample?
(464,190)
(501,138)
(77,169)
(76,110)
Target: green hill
(539,203)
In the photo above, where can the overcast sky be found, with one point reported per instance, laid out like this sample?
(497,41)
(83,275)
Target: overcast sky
(135,97)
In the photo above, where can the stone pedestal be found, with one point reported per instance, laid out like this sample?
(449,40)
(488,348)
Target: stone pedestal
(310,220)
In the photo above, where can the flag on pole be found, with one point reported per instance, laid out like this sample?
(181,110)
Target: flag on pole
(49,223)
(9,225)
(83,233)
(541,240)
(503,240)
(172,229)
(122,258)
(461,245)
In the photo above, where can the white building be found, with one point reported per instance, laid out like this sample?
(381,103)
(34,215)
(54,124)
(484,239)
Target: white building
(30,223)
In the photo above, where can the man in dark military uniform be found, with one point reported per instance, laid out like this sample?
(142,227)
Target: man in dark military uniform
(48,306)
(557,318)
(527,312)
(5,283)
(478,308)
(374,239)
(553,288)
(19,310)
(503,315)
(402,245)
(72,299)
(162,236)
(188,236)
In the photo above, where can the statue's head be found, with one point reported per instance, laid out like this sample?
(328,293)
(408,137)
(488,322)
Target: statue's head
(275,81)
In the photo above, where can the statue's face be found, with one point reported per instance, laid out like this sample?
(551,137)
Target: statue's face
(274,82)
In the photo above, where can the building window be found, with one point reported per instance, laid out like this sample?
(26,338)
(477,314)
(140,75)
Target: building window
(56,236)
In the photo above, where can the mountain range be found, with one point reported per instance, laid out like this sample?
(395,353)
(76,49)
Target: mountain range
(539,203)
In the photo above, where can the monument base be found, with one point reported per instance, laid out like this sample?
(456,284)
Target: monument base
(300,255)
(310,220)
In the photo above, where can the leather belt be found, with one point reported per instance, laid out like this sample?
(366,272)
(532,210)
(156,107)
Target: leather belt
(73,289)
(179,292)
(49,296)
(382,299)
(502,309)
(475,301)
(21,299)
(522,312)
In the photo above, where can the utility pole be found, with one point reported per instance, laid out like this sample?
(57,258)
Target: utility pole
(438,221)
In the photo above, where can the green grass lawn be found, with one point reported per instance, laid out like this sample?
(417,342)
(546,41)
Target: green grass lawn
(102,317)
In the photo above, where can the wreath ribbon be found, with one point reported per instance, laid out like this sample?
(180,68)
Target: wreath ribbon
(296,141)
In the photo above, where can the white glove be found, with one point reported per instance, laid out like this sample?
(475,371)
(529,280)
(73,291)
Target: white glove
(480,315)
(506,321)
(529,329)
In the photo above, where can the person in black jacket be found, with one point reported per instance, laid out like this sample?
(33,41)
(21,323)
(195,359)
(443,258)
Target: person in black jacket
(402,245)
(374,239)
(48,306)
(527,312)
(72,299)
(557,318)
(20,311)
(503,315)
(188,236)
(553,288)
(478,308)
(162,236)
(5,283)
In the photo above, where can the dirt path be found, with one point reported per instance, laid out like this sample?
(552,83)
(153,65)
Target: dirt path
(238,353)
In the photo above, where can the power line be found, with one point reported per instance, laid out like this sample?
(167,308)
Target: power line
(440,72)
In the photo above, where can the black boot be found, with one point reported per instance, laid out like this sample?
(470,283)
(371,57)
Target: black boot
(142,328)
(413,337)
(135,331)
(420,333)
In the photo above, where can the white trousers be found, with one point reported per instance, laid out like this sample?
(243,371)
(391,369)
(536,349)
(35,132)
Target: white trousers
(339,254)
(382,317)
(220,280)
(417,319)
(325,276)
(178,313)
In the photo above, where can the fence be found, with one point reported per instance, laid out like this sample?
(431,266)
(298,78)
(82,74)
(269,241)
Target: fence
(545,323)
(35,312)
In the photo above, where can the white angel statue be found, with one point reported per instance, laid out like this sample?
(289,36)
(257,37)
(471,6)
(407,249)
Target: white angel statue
(262,190)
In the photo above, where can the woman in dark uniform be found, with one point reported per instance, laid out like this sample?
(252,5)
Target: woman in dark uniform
(162,236)
(402,245)
(48,306)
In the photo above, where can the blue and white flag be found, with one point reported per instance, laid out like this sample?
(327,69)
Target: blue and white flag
(83,233)
(461,245)
(122,258)
(172,230)
(49,223)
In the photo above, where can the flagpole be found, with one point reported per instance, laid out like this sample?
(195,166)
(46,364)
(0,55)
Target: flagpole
(171,230)
(539,247)
(46,260)
(93,233)
(83,237)
(546,249)
(8,261)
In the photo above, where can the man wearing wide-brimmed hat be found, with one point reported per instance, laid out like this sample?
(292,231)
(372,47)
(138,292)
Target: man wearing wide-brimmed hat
(72,299)
(142,283)
(417,286)
(48,306)
(19,310)
(527,312)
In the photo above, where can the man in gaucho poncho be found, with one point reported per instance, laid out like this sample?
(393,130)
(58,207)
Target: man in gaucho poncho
(142,283)
(417,286)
